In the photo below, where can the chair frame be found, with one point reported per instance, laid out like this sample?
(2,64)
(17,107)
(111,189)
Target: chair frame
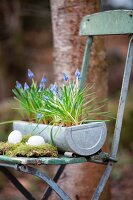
(120,23)
(104,23)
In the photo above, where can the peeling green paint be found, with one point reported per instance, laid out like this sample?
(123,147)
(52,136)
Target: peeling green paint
(107,23)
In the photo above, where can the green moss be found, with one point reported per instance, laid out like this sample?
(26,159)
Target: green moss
(3,148)
(33,151)
(22,149)
(25,138)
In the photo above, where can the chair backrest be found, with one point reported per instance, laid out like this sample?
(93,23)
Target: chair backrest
(114,22)
(108,23)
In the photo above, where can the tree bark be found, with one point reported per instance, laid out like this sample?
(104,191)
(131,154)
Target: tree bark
(78,180)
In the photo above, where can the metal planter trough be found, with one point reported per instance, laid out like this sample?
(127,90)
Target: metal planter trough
(86,139)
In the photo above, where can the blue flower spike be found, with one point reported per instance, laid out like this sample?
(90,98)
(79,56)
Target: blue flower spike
(44,79)
(45,98)
(78,74)
(26,86)
(30,74)
(65,77)
(54,88)
(39,116)
(18,85)
(41,86)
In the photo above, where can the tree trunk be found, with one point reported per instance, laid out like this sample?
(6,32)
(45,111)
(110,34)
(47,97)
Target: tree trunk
(79,180)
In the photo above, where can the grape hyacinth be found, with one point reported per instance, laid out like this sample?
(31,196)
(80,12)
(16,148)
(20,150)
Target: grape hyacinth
(26,86)
(64,104)
(65,77)
(77,74)
(41,87)
(30,74)
(18,85)
(44,80)
(45,98)
(39,116)
(42,84)
(54,88)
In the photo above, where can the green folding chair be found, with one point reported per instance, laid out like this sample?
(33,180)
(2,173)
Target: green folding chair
(115,22)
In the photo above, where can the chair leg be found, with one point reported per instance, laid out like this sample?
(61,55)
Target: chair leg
(103,181)
(48,190)
(49,181)
(16,183)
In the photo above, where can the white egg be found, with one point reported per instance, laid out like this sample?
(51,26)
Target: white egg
(35,140)
(15,137)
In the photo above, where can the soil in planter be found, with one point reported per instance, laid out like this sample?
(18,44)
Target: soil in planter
(22,149)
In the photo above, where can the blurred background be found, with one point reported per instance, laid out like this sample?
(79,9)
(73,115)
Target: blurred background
(26,42)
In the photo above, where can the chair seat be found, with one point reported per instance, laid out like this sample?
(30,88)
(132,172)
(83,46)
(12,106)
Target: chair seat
(42,160)
(100,157)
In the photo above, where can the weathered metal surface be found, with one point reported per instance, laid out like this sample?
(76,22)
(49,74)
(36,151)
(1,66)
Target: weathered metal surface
(44,177)
(85,62)
(101,158)
(48,190)
(103,181)
(84,139)
(16,183)
(87,139)
(122,101)
(39,174)
(16,163)
(42,160)
(107,23)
